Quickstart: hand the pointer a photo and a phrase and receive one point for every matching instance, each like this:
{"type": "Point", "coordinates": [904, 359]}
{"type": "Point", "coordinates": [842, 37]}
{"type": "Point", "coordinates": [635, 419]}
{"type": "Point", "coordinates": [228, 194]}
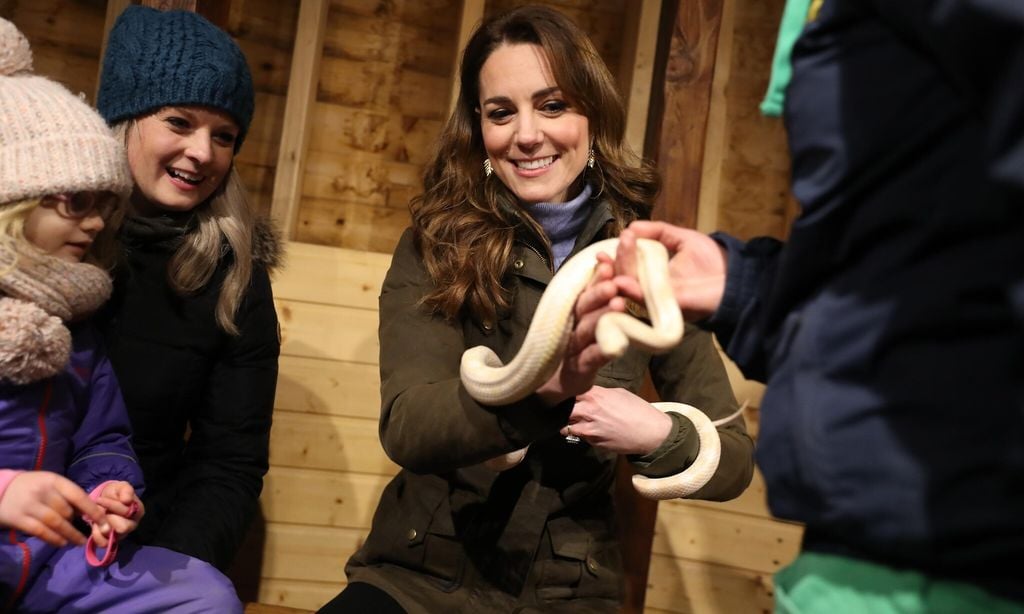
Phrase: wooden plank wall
{"type": "Point", "coordinates": [327, 464]}
{"type": "Point", "coordinates": [65, 38]}
{"type": "Point", "coordinates": [265, 31]}
{"type": "Point", "coordinates": [383, 91]}
{"type": "Point", "coordinates": [745, 172]}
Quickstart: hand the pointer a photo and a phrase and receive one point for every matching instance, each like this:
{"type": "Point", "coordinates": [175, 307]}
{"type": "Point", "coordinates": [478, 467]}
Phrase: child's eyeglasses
{"type": "Point", "coordinates": [81, 205]}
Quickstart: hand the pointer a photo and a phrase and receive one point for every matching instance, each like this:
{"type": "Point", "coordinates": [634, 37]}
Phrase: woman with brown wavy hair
{"type": "Point", "coordinates": [531, 168]}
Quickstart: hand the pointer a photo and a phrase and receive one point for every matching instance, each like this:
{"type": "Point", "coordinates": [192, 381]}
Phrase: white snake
{"type": "Point", "coordinates": [490, 382]}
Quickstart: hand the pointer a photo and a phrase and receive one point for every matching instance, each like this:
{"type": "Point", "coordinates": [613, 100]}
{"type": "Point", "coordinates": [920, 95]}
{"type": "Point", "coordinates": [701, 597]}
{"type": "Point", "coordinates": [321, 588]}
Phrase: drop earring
{"type": "Point", "coordinates": [487, 167]}
{"type": "Point", "coordinates": [590, 158]}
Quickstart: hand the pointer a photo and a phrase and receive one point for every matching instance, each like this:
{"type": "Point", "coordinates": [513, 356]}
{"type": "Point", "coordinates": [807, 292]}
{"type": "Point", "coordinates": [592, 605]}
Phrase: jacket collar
{"type": "Point", "coordinates": [532, 260]}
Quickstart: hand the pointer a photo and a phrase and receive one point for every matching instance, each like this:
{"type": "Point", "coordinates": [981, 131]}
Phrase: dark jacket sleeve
{"type": "Point", "coordinates": [227, 453]}
{"type": "Point", "coordinates": [428, 422]}
{"type": "Point", "coordinates": [979, 45]}
{"type": "Point", "coordinates": [101, 445]}
{"type": "Point", "coordinates": [740, 320]}
{"type": "Point", "coordinates": [693, 373]}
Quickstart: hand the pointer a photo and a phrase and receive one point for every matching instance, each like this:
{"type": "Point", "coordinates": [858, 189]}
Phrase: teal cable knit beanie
{"type": "Point", "coordinates": [157, 58]}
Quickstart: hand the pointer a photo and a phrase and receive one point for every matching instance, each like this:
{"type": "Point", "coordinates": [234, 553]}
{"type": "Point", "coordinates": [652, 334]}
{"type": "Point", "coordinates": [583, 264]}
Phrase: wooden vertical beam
{"type": "Point", "coordinates": [218, 12]}
{"type": "Point", "coordinates": [636, 515]}
{"type": "Point", "coordinates": [236, 11]}
{"type": "Point", "coordinates": [716, 134]}
{"type": "Point", "coordinates": [640, 41]}
{"type": "Point", "coordinates": [114, 8]}
{"type": "Point", "coordinates": [677, 132]}
{"type": "Point", "coordinates": [636, 518]}
{"type": "Point", "coordinates": [298, 113]}
{"type": "Point", "coordinates": [469, 17]}
{"type": "Point", "coordinates": [170, 5]}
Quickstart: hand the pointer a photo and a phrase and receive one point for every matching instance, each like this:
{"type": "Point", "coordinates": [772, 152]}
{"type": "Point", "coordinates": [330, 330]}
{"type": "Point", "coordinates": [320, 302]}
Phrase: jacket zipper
{"type": "Point", "coordinates": [26, 560]}
{"type": "Point", "coordinates": [542, 257]}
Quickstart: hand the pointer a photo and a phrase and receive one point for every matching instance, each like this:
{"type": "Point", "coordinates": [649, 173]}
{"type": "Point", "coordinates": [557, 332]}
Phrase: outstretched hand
{"type": "Point", "coordinates": [42, 504]}
{"type": "Point", "coordinates": [583, 357]}
{"type": "Point", "coordinates": [697, 266]}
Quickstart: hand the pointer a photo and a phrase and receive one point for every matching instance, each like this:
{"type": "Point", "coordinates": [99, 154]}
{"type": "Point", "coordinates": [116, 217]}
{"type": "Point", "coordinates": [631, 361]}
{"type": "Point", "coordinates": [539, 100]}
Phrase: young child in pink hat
{"type": "Point", "coordinates": [64, 432]}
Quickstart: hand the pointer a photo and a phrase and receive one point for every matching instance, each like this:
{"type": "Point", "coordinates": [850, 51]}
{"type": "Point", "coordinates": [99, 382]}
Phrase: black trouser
{"type": "Point", "coordinates": [360, 597]}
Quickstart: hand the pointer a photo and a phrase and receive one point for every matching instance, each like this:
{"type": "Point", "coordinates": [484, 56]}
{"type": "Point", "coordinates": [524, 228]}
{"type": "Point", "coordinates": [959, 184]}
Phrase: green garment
{"type": "Point", "coordinates": [816, 583]}
{"type": "Point", "coordinates": [794, 17]}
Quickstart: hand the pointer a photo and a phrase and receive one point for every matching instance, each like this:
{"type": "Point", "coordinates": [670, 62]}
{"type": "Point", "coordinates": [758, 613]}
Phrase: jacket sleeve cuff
{"type": "Point", "coordinates": [746, 262]}
{"type": "Point", "coordinates": [675, 454]}
{"type": "Point", "coordinates": [738, 290]}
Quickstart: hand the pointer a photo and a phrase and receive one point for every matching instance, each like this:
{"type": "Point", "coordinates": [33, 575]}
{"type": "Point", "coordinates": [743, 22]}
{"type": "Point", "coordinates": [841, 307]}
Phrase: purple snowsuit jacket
{"type": "Point", "coordinates": [74, 424]}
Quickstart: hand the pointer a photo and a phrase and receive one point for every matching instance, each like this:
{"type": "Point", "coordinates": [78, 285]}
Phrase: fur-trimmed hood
{"type": "Point", "coordinates": [267, 244]}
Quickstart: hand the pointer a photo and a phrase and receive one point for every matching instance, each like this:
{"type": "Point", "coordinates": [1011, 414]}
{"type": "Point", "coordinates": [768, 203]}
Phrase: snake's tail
{"type": "Point", "coordinates": [733, 415]}
{"type": "Point", "coordinates": [506, 461]}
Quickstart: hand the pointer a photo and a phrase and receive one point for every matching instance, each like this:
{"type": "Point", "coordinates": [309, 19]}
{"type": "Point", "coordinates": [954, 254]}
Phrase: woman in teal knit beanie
{"type": "Point", "coordinates": [191, 326]}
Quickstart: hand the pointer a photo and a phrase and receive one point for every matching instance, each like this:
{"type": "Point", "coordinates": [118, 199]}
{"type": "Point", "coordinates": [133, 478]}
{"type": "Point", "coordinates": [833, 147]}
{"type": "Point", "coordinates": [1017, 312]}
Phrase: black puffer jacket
{"type": "Point", "coordinates": [200, 400]}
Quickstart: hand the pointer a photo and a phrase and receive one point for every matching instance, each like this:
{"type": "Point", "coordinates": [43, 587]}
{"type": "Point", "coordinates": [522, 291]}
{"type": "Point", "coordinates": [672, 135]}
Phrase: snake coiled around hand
{"type": "Point", "coordinates": [491, 382]}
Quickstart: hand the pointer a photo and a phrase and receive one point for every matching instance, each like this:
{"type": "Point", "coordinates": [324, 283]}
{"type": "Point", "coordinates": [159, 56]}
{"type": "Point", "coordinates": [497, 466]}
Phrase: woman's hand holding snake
{"type": "Point", "coordinates": [583, 357]}
{"type": "Point", "coordinates": [617, 420]}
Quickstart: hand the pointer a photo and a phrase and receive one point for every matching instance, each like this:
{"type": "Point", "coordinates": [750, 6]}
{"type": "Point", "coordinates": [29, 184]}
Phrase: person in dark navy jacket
{"type": "Point", "coordinates": [889, 327]}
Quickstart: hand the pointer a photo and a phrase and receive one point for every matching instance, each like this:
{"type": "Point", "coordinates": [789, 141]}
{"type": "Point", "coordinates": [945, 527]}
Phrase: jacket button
{"type": "Point", "coordinates": [412, 534]}
{"type": "Point", "coordinates": [592, 565]}
{"type": "Point", "coordinates": [487, 325]}
{"type": "Point", "coordinates": [518, 264]}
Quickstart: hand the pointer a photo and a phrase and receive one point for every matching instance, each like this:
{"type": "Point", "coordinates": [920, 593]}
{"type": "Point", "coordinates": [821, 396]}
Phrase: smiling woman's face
{"type": "Point", "coordinates": [179, 156]}
{"type": "Point", "coordinates": [536, 140]}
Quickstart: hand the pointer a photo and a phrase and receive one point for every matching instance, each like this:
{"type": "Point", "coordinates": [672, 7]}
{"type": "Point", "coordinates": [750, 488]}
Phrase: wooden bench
{"type": "Point", "coordinates": [262, 608]}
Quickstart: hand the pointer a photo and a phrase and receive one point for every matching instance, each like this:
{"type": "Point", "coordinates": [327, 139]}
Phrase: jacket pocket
{"type": "Point", "coordinates": [584, 563]}
{"type": "Point", "coordinates": [413, 528]}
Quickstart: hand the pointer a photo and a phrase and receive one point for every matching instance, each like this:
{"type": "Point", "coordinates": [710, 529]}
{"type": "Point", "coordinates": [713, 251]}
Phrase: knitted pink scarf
{"type": "Point", "coordinates": [40, 293]}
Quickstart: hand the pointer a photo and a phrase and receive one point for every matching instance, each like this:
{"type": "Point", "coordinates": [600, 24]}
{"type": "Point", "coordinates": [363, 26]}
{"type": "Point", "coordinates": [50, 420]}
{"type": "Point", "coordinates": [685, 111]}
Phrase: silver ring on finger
{"type": "Point", "coordinates": [569, 437]}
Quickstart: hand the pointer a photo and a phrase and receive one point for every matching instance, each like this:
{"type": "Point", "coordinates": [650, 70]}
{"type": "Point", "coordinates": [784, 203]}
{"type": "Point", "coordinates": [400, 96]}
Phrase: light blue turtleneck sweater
{"type": "Point", "coordinates": [562, 222]}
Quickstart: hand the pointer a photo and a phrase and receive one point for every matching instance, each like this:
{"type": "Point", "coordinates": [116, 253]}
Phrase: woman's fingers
{"type": "Point", "coordinates": [592, 303]}
{"type": "Point", "coordinates": [595, 296]}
